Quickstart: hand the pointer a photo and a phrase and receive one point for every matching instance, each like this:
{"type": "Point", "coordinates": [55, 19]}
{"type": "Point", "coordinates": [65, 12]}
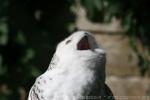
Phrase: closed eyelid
{"type": "Point", "coordinates": [68, 41]}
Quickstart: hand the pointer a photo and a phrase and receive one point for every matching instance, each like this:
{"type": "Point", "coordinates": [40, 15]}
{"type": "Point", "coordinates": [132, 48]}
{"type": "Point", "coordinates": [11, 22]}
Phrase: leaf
{"type": "Point", "coordinates": [20, 38]}
{"type": "Point", "coordinates": [28, 56]}
{"type": "Point", "coordinates": [127, 22]}
{"type": "Point", "coordinates": [35, 71]}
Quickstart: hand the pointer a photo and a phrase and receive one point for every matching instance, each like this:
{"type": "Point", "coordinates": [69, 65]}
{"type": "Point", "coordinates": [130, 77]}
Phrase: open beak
{"type": "Point", "coordinates": [83, 44]}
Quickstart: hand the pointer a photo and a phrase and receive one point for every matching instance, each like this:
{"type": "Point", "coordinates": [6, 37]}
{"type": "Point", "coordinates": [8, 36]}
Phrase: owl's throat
{"type": "Point", "coordinates": [83, 44]}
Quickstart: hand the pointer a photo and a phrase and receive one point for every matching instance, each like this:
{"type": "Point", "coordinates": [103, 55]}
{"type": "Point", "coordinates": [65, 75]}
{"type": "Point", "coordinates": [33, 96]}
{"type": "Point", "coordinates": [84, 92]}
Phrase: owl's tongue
{"type": "Point", "coordinates": [83, 44]}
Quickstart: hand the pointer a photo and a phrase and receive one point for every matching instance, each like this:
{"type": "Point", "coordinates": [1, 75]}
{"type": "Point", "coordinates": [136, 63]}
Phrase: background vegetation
{"type": "Point", "coordinates": [135, 20]}
{"type": "Point", "coordinates": [30, 30]}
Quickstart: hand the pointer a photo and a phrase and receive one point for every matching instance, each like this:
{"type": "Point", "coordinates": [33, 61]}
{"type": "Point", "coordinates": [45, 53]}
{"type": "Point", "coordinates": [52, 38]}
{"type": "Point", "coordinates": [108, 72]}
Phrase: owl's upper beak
{"type": "Point", "coordinates": [83, 44]}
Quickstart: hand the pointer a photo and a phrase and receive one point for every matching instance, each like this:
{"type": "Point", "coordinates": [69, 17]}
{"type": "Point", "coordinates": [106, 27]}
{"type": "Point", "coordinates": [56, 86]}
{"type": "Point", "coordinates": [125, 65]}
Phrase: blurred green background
{"type": "Point", "coordinates": [30, 30]}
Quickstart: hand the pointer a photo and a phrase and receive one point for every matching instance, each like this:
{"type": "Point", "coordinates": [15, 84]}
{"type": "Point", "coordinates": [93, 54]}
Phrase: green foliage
{"type": "Point", "coordinates": [3, 96]}
{"type": "Point", "coordinates": [133, 13]}
{"type": "Point", "coordinates": [29, 32]}
{"type": "Point", "coordinates": [94, 7]}
{"type": "Point", "coordinates": [135, 17]}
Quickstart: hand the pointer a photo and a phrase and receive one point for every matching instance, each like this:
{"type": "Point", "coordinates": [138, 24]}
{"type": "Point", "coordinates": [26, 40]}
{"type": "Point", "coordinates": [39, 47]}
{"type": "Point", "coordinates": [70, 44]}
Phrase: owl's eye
{"type": "Point", "coordinates": [68, 41]}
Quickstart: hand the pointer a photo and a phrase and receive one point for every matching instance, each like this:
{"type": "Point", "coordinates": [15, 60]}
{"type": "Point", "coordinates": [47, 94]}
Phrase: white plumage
{"type": "Point", "coordinates": [77, 71]}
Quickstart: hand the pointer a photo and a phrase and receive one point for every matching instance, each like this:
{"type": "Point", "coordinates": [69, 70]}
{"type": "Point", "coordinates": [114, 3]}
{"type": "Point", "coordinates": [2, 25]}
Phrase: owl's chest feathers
{"type": "Point", "coordinates": [70, 81]}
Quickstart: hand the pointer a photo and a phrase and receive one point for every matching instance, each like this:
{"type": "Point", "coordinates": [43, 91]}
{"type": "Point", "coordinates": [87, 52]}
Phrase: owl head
{"type": "Point", "coordinates": [80, 43]}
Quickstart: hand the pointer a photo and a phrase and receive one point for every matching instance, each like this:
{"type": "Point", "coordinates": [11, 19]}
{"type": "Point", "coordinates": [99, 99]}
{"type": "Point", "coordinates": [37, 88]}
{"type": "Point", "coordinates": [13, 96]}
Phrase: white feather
{"type": "Point", "coordinates": [71, 71]}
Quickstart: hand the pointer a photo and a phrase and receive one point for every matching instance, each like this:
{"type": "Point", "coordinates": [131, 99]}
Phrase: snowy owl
{"type": "Point", "coordinates": [76, 72]}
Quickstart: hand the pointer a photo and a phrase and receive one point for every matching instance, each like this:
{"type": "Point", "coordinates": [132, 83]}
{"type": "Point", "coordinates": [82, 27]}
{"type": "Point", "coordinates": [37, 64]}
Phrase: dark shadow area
{"type": "Point", "coordinates": [34, 27]}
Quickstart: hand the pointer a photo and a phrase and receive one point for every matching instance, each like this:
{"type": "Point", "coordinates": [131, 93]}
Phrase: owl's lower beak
{"type": "Point", "coordinates": [83, 44]}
